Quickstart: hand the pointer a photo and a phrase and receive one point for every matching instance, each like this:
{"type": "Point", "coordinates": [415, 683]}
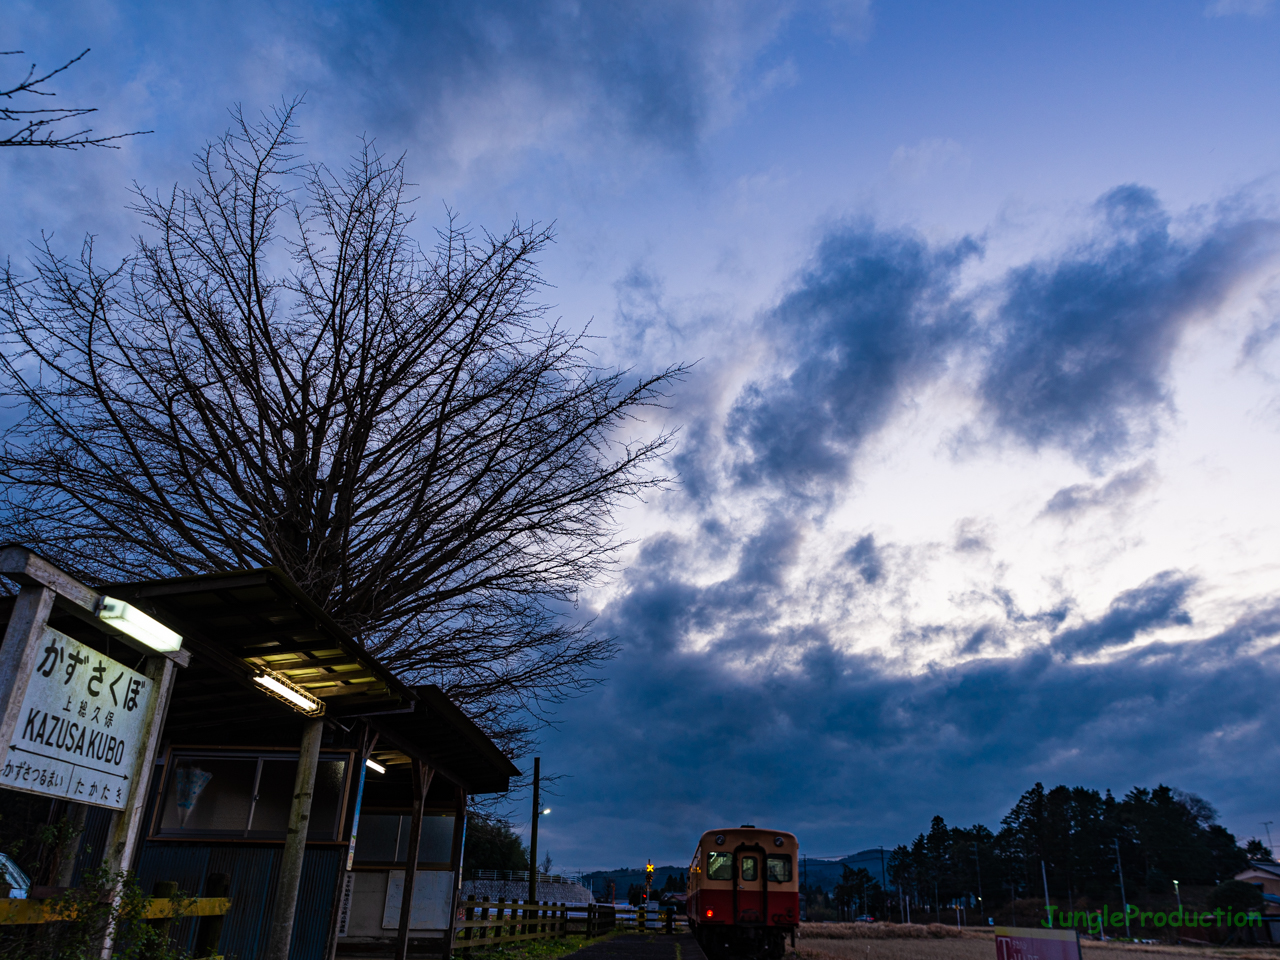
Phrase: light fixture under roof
{"type": "Point", "coordinates": [375, 766]}
{"type": "Point", "coordinates": [130, 620]}
{"type": "Point", "coordinates": [282, 688]}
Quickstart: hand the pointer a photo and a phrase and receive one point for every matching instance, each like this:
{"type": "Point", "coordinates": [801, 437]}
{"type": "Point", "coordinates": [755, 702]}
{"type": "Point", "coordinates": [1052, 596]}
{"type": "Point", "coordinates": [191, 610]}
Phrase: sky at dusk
{"type": "Point", "coordinates": [975, 479]}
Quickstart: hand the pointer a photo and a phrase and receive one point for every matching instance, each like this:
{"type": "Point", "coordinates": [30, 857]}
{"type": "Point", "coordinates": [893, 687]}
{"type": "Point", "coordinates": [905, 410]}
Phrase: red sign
{"type": "Point", "coordinates": [1034, 943]}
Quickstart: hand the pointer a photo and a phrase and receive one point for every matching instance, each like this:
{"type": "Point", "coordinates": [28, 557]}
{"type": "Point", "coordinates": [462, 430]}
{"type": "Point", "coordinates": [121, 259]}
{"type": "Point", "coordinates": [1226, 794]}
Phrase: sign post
{"type": "Point", "coordinates": [74, 723]}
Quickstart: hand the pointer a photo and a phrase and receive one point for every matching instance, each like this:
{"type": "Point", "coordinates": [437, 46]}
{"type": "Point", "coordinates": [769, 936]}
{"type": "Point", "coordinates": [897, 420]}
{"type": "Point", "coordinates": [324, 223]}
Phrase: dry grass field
{"type": "Point", "coordinates": [935, 942]}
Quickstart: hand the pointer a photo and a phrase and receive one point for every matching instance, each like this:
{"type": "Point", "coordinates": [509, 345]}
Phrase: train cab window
{"type": "Point", "coordinates": [719, 866]}
{"type": "Point", "coordinates": [779, 868]}
{"type": "Point", "coordinates": [749, 868]}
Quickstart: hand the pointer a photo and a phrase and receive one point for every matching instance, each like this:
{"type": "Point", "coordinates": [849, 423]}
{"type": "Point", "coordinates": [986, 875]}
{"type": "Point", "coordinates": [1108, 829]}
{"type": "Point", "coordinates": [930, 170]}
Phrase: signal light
{"type": "Point", "coordinates": [710, 913]}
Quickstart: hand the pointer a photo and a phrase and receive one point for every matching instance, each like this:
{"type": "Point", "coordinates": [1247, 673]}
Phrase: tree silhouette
{"type": "Point", "coordinates": [47, 126]}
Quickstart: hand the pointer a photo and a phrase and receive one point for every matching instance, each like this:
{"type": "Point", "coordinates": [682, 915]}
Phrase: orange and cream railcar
{"type": "Point", "coordinates": [744, 892]}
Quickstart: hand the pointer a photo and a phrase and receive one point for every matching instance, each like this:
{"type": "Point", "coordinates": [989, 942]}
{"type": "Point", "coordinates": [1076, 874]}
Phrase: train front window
{"type": "Point", "coordinates": [719, 866]}
{"type": "Point", "coordinates": [748, 868]}
{"type": "Point", "coordinates": [780, 869]}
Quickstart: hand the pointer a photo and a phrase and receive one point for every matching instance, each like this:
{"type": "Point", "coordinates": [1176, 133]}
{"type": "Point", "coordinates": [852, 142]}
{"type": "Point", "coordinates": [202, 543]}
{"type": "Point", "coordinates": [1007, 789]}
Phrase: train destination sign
{"type": "Point", "coordinates": [80, 732]}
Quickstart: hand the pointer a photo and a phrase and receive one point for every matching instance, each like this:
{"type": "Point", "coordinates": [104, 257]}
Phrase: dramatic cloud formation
{"type": "Point", "coordinates": [748, 630]}
{"type": "Point", "coordinates": [872, 317]}
{"type": "Point", "coordinates": [1085, 341]}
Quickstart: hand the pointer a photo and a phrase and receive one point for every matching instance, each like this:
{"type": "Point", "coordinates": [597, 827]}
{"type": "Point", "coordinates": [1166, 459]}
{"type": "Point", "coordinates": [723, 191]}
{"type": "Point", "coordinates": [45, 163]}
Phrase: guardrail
{"type": "Point", "coordinates": [163, 907]}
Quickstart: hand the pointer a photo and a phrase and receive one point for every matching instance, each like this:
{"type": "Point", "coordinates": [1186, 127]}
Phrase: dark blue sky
{"type": "Point", "coordinates": [976, 469]}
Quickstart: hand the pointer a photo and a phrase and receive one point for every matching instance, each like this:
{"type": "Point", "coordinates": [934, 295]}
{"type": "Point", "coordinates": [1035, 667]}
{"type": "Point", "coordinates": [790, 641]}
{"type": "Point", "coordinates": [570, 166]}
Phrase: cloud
{"type": "Point", "coordinates": [926, 157]}
{"type": "Point", "coordinates": [777, 722]}
{"type": "Point", "coordinates": [871, 318]}
{"type": "Point", "coordinates": [866, 559]}
{"type": "Point", "coordinates": [1079, 498]}
{"type": "Point", "coordinates": [973, 535]}
{"type": "Point", "coordinates": [1084, 341]}
{"type": "Point", "coordinates": [1246, 8]}
{"type": "Point", "coordinates": [1156, 603]}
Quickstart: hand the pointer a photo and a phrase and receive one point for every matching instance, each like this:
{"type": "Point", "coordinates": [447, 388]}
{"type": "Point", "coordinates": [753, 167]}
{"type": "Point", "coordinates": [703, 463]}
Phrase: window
{"type": "Point", "coordinates": [719, 866]}
{"type": "Point", "coordinates": [384, 838]}
{"type": "Point", "coordinates": [246, 795]}
{"type": "Point", "coordinates": [780, 868]}
{"type": "Point", "coordinates": [749, 869]}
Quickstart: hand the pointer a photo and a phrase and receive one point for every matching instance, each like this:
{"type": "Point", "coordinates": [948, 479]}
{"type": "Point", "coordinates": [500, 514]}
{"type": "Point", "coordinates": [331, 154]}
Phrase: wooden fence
{"type": "Point", "coordinates": [489, 923]}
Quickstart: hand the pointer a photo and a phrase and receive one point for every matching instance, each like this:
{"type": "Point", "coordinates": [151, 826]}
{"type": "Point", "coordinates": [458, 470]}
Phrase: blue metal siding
{"type": "Point", "coordinates": [315, 903]}
{"type": "Point", "coordinates": [92, 843]}
{"type": "Point", "coordinates": [253, 893]}
{"type": "Point", "coordinates": [188, 866]}
{"type": "Point", "coordinates": [254, 872]}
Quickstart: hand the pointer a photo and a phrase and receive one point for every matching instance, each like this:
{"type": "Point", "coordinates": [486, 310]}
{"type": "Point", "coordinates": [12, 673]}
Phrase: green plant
{"type": "Point", "coordinates": [103, 902]}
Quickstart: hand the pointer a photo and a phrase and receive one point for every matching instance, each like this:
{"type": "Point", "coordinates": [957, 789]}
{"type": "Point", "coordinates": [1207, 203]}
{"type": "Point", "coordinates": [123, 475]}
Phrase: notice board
{"type": "Point", "coordinates": [1036, 943]}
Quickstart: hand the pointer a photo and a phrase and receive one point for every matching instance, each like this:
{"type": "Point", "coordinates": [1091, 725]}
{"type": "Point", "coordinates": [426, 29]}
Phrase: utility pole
{"type": "Point", "coordinates": [1123, 901]}
{"type": "Point", "coordinates": [1267, 824]}
{"type": "Point", "coordinates": [978, 867]}
{"type": "Point", "coordinates": [1045, 877]}
{"type": "Point", "coordinates": [533, 832]}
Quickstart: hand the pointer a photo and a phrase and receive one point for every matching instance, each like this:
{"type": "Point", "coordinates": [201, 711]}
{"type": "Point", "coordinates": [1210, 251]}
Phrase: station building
{"type": "Point", "coordinates": [266, 681]}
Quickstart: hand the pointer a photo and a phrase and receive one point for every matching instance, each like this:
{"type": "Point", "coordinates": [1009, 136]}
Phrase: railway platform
{"type": "Point", "coordinates": [643, 946]}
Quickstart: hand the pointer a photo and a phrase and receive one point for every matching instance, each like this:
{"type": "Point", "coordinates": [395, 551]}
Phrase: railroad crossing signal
{"type": "Point", "coordinates": [648, 880]}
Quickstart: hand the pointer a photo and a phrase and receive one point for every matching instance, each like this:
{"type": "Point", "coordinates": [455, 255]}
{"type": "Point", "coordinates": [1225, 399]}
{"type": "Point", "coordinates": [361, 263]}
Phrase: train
{"type": "Point", "coordinates": [743, 893]}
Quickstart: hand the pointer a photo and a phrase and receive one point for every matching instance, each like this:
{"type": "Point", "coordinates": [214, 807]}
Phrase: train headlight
{"type": "Point", "coordinates": [719, 839]}
{"type": "Point", "coordinates": [778, 841]}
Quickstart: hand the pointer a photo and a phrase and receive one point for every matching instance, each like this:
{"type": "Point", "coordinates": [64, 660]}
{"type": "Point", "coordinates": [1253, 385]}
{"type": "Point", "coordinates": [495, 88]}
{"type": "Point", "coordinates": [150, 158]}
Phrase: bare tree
{"type": "Point", "coordinates": [281, 375]}
{"type": "Point", "coordinates": [46, 127]}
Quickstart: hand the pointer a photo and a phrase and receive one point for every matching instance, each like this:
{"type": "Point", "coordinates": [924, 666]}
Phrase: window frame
{"type": "Point", "coordinates": [367, 811]}
{"type": "Point", "coordinates": [178, 752]}
{"type": "Point", "coordinates": [733, 866]}
{"type": "Point", "coordinates": [785, 858]}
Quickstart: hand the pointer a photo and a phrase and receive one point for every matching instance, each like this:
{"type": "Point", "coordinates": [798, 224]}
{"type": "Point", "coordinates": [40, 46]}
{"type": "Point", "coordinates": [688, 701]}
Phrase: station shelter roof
{"type": "Point", "coordinates": [238, 623]}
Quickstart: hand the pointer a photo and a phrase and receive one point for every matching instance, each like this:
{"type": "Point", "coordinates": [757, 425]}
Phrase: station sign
{"type": "Point", "coordinates": [80, 733]}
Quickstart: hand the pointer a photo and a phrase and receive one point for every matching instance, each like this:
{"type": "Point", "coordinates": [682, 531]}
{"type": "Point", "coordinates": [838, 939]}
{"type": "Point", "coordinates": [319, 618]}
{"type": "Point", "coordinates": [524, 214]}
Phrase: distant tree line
{"type": "Point", "coordinates": [1072, 840]}
{"type": "Point", "coordinates": [492, 845]}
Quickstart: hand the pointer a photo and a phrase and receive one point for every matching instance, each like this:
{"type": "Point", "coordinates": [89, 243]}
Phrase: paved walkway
{"type": "Point", "coordinates": [643, 946]}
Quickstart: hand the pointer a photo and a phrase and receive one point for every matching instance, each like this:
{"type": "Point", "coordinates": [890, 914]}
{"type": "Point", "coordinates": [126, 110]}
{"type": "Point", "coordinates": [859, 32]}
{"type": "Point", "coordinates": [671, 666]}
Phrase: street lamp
{"type": "Point", "coordinates": [1178, 893]}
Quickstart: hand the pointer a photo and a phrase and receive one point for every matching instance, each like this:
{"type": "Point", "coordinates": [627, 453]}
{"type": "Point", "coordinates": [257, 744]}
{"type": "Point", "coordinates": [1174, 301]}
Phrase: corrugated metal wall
{"type": "Point", "coordinates": [253, 872]}
{"type": "Point", "coordinates": [92, 842]}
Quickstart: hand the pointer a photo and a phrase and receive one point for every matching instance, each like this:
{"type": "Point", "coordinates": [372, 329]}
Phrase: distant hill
{"type": "Point", "coordinates": [826, 873]}
{"type": "Point", "coordinates": [818, 873]}
{"type": "Point", "coordinates": [623, 877]}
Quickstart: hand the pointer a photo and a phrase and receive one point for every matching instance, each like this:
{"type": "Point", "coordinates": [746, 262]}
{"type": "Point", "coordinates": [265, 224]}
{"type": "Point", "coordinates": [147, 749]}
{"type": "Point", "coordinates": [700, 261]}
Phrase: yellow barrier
{"type": "Point", "coordinates": [51, 911]}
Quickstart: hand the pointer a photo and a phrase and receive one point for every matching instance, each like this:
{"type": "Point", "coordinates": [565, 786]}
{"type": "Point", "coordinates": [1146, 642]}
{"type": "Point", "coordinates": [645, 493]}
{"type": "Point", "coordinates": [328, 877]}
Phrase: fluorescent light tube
{"type": "Point", "coordinates": [375, 766]}
{"type": "Point", "coordinates": [285, 689]}
{"type": "Point", "coordinates": [146, 630]}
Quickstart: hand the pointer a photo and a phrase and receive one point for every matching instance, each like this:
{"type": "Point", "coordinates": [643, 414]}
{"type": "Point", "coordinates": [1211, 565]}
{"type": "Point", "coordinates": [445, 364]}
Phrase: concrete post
{"type": "Point", "coordinates": [280, 931]}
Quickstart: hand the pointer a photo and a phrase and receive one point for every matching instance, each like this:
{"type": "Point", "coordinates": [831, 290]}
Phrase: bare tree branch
{"type": "Point", "coordinates": [40, 127]}
{"type": "Point", "coordinates": [401, 430]}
